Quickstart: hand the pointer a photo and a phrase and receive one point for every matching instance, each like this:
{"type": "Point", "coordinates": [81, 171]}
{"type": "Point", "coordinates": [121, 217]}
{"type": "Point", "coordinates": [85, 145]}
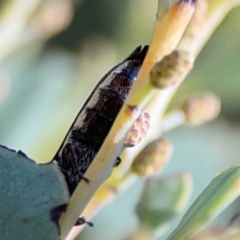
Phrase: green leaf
{"type": "Point", "coordinates": [32, 198]}
{"type": "Point", "coordinates": [220, 193]}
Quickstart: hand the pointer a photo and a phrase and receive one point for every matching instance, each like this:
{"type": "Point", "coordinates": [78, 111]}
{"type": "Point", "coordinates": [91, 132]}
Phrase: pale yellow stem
{"type": "Point", "coordinates": [162, 44]}
{"type": "Point", "coordinates": [168, 32]}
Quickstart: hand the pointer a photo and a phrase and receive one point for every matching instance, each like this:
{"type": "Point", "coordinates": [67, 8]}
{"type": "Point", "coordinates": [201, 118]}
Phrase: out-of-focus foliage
{"type": "Point", "coordinates": [221, 192]}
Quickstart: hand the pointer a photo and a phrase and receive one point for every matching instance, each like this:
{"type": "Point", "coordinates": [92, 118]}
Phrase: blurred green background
{"type": "Point", "coordinates": [53, 58]}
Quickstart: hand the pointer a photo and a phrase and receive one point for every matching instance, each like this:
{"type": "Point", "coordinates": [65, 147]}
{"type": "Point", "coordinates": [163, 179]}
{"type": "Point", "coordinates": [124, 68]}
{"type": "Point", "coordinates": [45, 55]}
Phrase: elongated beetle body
{"type": "Point", "coordinates": [96, 117]}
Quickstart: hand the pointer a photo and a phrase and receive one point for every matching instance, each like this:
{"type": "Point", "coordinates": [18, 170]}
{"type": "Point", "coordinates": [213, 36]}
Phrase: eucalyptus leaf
{"type": "Point", "coordinates": [32, 198]}
{"type": "Point", "coordinates": [220, 193]}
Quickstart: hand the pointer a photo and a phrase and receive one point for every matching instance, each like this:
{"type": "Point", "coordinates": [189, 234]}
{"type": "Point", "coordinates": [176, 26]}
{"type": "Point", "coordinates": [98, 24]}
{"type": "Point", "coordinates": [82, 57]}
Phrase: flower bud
{"type": "Point", "coordinates": [171, 70]}
{"type": "Point", "coordinates": [162, 200]}
{"type": "Point", "coordinates": [200, 108]}
{"type": "Point", "coordinates": [138, 131]}
{"type": "Point", "coordinates": [153, 158]}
